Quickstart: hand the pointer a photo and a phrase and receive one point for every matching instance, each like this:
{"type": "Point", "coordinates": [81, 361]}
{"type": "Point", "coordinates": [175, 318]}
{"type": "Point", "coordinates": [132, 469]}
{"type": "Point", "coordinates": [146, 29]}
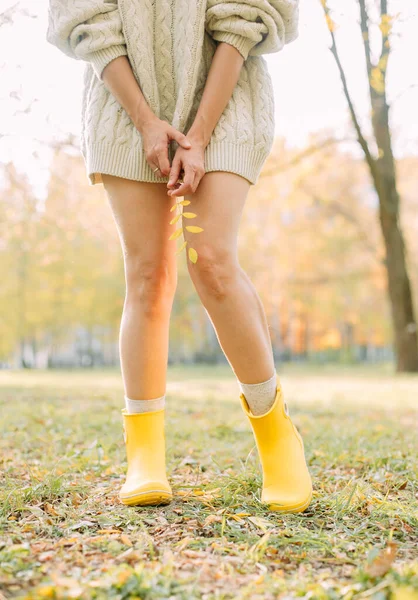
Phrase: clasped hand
{"type": "Point", "coordinates": [188, 163]}
{"type": "Point", "coordinates": [187, 168]}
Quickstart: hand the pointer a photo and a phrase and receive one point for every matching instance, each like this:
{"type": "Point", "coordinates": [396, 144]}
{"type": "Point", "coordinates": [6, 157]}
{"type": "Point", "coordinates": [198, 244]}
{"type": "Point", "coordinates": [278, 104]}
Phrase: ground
{"type": "Point", "coordinates": [64, 534]}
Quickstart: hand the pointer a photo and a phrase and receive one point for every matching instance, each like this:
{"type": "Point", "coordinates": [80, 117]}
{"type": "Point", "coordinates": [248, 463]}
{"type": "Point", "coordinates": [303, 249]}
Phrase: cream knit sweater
{"type": "Point", "coordinates": [170, 45]}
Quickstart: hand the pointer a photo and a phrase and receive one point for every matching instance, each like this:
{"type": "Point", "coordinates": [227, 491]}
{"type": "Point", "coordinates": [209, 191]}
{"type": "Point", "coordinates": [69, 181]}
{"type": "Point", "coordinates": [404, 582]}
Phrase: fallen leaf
{"type": "Point", "coordinates": [383, 561]}
{"type": "Point", "coordinates": [404, 592]}
{"type": "Point", "coordinates": [125, 540]}
{"type": "Point", "coordinates": [262, 524]}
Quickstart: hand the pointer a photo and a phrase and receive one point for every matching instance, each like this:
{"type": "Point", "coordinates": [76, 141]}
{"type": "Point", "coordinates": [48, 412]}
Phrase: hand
{"type": "Point", "coordinates": [157, 135]}
{"type": "Point", "coordinates": [190, 163]}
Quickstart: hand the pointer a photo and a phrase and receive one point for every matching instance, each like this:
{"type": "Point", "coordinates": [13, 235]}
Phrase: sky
{"type": "Point", "coordinates": [307, 90]}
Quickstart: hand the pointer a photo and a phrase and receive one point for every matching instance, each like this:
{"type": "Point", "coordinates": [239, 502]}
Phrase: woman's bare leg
{"type": "Point", "coordinates": [141, 213]}
{"type": "Point", "coordinates": [226, 291]}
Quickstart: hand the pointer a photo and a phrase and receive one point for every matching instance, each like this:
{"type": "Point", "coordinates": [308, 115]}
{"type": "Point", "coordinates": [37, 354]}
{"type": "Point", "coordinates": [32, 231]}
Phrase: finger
{"type": "Point", "coordinates": [155, 168]}
{"type": "Point", "coordinates": [198, 177]}
{"type": "Point", "coordinates": [163, 161]}
{"type": "Point", "coordinates": [186, 186]}
{"type": "Point", "coordinates": [180, 138]}
{"type": "Point", "coordinates": [175, 172]}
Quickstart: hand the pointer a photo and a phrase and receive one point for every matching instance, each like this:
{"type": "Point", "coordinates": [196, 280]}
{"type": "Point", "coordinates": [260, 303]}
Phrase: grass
{"type": "Point", "coordinates": [64, 534]}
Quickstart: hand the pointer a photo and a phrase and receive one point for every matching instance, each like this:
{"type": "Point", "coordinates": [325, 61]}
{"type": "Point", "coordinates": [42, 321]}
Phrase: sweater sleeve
{"type": "Point", "coordinates": [89, 30]}
{"type": "Point", "coordinates": [253, 27]}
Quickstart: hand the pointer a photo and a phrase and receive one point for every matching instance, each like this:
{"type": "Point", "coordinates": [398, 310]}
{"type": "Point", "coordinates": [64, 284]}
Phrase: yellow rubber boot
{"type": "Point", "coordinates": [146, 480]}
{"type": "Point", "coordinates": [287, 484]}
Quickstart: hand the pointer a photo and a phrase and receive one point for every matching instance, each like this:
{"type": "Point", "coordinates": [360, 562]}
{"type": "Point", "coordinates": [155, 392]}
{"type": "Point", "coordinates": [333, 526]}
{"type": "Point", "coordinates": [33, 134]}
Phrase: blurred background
{"type": "Point", "coordinates": [329, 235]}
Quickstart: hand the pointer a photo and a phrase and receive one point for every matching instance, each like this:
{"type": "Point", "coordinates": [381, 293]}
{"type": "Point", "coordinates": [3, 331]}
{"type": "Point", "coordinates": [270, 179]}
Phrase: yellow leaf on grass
{"type": "Point", "coordinates": [211, 519]}
{"type": "Point", "coordinates": [126, 540]}
{"type": "Point", "coordinates": [189, 215]}
{"type": "Point", "coordinates": [404, 592]}
{"type": "Point", "coordinates": [181, 247]}
{"type": "Point", "coordinates": [194, 228]}
{"type": "Point", "coordinates": [193, 255]}
{"type": "Point", "coordinates": [47, 591]}
{"type": "Point", "coordinates": [262, 524]}
{"type": "Point", "coordinates": [175, 219]}
{"type": "Point", "coordinates": [176, 234]}
{"type": "Point", "coordinates": [68, 541]}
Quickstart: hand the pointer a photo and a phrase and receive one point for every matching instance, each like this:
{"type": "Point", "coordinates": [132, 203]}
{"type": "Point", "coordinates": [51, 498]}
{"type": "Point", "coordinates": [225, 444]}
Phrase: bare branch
{"type": "Point", "coordinates": [311, 150]}
{"type": "Point", "coordinates": [337, 208]}
{"type": "Point", "coordinates": [407, 89]}
{"type": "Point", "coordinates": [332, 277]}
{"type": "Point", "coordinates": [361, 138]}
{"type": "Point", "coordinates": [364, 22]}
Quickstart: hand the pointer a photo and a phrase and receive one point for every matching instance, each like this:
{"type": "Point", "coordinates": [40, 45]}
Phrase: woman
{"type": "Point", "coordinates": [154, 70]}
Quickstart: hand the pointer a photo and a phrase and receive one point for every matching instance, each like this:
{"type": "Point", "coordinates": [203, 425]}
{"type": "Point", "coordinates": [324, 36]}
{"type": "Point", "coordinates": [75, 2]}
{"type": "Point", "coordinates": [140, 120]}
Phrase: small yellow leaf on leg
{"type": "Point", "coordinates": [181, 247]}
{"type": "Point", "coordinates": [175, 219]}
{"type": "Point", "coordinates": [176, 234]}
{"type": "Point", "coordinates": [194, 228]}
{"type": "Point", "coordinates": [193, 255]}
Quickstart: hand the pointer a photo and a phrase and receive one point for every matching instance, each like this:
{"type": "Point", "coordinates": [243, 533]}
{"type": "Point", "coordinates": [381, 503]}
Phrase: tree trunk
{"type": "Point", "coordinates": [399, 287]}
{"type": "Point", "coordinates": [405, 333]}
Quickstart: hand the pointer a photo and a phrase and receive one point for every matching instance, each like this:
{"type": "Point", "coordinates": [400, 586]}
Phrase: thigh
{"type": "Point", "coordinates": [141, 211]}
{"type": "Point", "coordinates": [218, 203]}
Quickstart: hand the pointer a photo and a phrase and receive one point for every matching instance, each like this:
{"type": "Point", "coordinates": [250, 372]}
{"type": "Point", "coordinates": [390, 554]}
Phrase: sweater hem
{"type": "Point", "coordinates": [240, 42]}
{"type": "Point", "coordinates": [102, 57]}
{"type": "Point", "coordinates": [121, 161]}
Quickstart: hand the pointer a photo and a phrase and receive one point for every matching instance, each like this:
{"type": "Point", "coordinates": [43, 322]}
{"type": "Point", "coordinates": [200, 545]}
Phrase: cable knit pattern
{"type": "Point", "coordinates": [170, 45]}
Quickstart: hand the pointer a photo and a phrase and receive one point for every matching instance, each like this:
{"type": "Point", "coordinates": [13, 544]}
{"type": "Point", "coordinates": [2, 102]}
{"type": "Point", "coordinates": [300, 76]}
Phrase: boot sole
{"type": "Point", "coordinates": [294, 508]}
{"type": "Point", "coordinates": [147, 498]}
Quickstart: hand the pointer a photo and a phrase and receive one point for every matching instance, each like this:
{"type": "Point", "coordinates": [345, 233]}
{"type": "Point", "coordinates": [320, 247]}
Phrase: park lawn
{"type": "Point", "coordinates": [64, 534]}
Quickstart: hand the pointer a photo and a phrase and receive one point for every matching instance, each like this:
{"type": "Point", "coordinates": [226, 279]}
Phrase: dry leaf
{"type": "Point", "coordinates": [212, 519]}
{"type": "Point", "coordinates": [125, 540]}
{"type": "Point", "coordinates": [383, 561]}
{"type": "Point", "coordinates": [404, 592]}
{"type": "Point", "coordinates": [262, 524]}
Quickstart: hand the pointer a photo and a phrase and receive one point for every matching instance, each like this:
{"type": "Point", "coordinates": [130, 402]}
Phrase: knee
{"type": "Point", "coordinates": [214, 272]}
{"type": "Point", "coordinates": [151, 283]}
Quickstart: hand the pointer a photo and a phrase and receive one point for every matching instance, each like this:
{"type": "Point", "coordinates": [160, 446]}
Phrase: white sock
{"type": "Point", "coordinates": [260, 396]}
{"type": "Point", "coordinates": [141, 406]}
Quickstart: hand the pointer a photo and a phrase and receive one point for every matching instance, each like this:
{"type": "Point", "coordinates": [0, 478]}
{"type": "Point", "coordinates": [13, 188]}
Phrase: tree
{"type": "Point", "coordinates": [379, 157]}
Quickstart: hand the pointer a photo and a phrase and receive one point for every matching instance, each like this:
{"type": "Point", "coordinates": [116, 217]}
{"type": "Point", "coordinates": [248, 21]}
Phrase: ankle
{"type": "Point", "coordinates": [142, 406]}
{"type": "Point", "coordinates": [260, 396]}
